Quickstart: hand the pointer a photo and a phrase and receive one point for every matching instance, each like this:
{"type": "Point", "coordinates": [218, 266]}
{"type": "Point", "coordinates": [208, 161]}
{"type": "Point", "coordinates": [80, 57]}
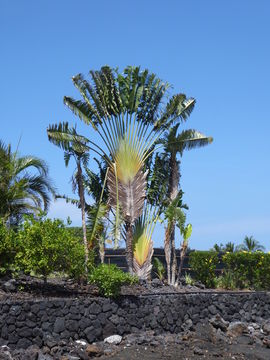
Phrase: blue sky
{"type": "Point", "coordinates": [215, 51]}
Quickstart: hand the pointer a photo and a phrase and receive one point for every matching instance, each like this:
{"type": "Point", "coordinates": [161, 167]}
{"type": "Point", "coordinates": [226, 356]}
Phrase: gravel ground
{"type": "Point", "coordinates": [193, 348]}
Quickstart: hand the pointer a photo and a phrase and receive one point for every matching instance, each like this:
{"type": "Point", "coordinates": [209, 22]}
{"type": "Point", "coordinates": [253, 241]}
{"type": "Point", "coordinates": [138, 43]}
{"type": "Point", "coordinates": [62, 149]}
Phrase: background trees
{"type": "Point", "coordinates": [250, 244]}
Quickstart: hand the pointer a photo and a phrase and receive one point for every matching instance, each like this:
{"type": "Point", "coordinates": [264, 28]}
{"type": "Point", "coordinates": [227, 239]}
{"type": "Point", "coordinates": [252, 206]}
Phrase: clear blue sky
{"type": "Point", "coordinates": [215, 51]}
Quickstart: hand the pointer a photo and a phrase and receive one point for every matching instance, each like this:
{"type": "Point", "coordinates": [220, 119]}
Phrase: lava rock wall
{"type": "Point", "coordinates": [47, 322]}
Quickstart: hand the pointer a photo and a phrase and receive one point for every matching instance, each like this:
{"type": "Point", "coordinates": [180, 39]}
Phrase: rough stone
{"type": "Point", "coordinates": [94, 308]}
{"type": "Point", "coordinates": [10, 285]}
{"type": "Point", "coordinates": [89, 334]}
{"type": "Point", "coordinates": [24, 343]}
{"type": "Point", "coordinates": [219, 323]}
{"type": "Point", "coordinates": [237, 328]}
{"type": "Point", "coordinates": [59, 325]}
{"type": "Point", "coordinates": [93, 350]}
{"type": "Point", "coordinates": [114, 339]}
{"type": "Point", "coordinates": [266, 327]}
{"type": "Point", "coordinates": [212, 309]}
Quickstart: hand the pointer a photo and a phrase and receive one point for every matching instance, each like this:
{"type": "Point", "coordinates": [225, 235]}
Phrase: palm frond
{"type": "Point", "coordinates": [25, 162]}
{"type": "Point", "coordinates": [83, 111]}
{"type": "Point", "coordinates": [95, 221]}
{"type": "Point", "coordinates": [191, 139]}
{"type": "Point", "coordinates": [178, 109]}
{"type": "Point", "coordinates": [68, 199]}
{"type": "Point", "coordinates": [67, 138]}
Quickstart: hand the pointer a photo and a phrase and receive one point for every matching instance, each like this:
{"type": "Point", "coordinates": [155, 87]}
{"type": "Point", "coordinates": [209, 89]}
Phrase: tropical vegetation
{"type": "Point", "coordinates": [132, 118]}
{"type": "Point", "coordinates": [127, 171]}
{"type": "Point", "coordinates": [25, 186]}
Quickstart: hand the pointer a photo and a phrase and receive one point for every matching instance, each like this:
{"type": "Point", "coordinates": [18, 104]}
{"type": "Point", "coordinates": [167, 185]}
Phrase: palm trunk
{"type": "Point", "coordinates": [102, 250]}
{"type": "Point", "coordinates": [167, 250]}
{"type": "Point", "coordinates": [129, 246]}
{"type": "Point", "coordinates": [169, 245]}
{"type": "Point", "coordinates": [174, 261]}
{"type": "Point", "coordinates": [82, 201]}
{"type": "Point", "coordinates": [183, 251]}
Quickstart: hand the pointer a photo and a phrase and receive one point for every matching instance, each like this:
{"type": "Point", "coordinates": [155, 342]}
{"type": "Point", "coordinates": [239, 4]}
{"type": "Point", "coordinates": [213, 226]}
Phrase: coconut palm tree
{"type": "Point", "coordinates": [250, 244]}
{"type": "Point", "coordinates": [127, 112]}
{"type": "Point", "coordinates": [174, 147]}
{"type": "Point", "coordinates": [22, 191]}
{"type": "Point", "coordinates": [75, 146]}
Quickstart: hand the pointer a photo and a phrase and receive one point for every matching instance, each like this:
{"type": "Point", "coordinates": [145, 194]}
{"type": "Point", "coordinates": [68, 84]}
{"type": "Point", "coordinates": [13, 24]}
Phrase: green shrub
{"type": "Point", "coordinates": [227, 280]}
{"type": "Point", "coordinates": [158, 268]}
{"type": "Point", "coordinates": [203, 264]}
{"type": "Point", "coordinates": [109, 279]}
{"type": "Point", "coordinates": [46, 246]}
{"type": "Point", "coordinates": [189, 280]}
{"type": "Point", "coordinates": [8, 244]}
{"type": "Point", "coordinates": [250, 269]}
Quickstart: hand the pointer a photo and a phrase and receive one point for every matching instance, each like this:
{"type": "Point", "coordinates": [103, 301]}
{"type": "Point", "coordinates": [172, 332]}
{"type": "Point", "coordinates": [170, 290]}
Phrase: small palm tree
{"type": "Point", "coordinates": [174, 146]}
{"type": "Point", "coordinates": [22, 192]}
{"type": "Point", "coordinates": [76, 146]}
{"type": "Point", "coordinates": [173, 215]}
{"type": "Point", "coordinates": [250, 244]}
{"type": "Point", "coordinates": [186, 233]}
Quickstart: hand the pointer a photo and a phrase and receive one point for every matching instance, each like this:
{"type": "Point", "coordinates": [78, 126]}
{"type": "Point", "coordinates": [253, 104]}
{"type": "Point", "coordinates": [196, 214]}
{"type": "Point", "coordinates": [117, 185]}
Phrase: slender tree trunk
{"type": "Point", "coordinates": [169, 245]}
{"type": "Point", "coordinates": [174, 261]}
{"type": "Point", "coordinates": [129, 246]}
{"type": "Point", "coordinates": [174, 177]}
{"type": "Point", "coordinates": [183, 251]}
{"type": "Point", "coordinates": [101, 250]}
{"type": "Point", "coordinates": [167, 250]}
{"type": "Point", "coordinates": [82, 201]}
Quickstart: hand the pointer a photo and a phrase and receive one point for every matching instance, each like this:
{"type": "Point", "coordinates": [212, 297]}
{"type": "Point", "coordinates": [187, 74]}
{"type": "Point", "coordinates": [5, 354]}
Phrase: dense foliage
{"type": "Point", "coordinates": [109, 279]}
{"type": "Point", "coordinates": [203, 264]}
{"type": "Point", "coordinates": [248, 269]}
{"type": "Point", "coordinates": [46, 246]}
{"type": "Point", "coordinates": [8, 245]}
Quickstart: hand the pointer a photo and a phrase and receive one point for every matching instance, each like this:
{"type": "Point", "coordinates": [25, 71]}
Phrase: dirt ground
{"type": "Point", "coordinates": [192, 348]}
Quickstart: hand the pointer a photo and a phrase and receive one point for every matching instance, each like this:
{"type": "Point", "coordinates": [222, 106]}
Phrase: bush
{"type": "Point", "coordinates": [203, 264]}
{"type": "Point", "coordinates": [226, 280]}
{"type": "Point", "coordinates": [8, 244]}
{"type": "Point", "coordinates": [109, 279]}
{"type": "Point", "coordinates": [159, 268]}
{"type": "Point", "coordinates": [189, 280]}
{"type": "Point", "coordinates": [46, 246]}
{"type": "Point", "coordinates": [250, 269]}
